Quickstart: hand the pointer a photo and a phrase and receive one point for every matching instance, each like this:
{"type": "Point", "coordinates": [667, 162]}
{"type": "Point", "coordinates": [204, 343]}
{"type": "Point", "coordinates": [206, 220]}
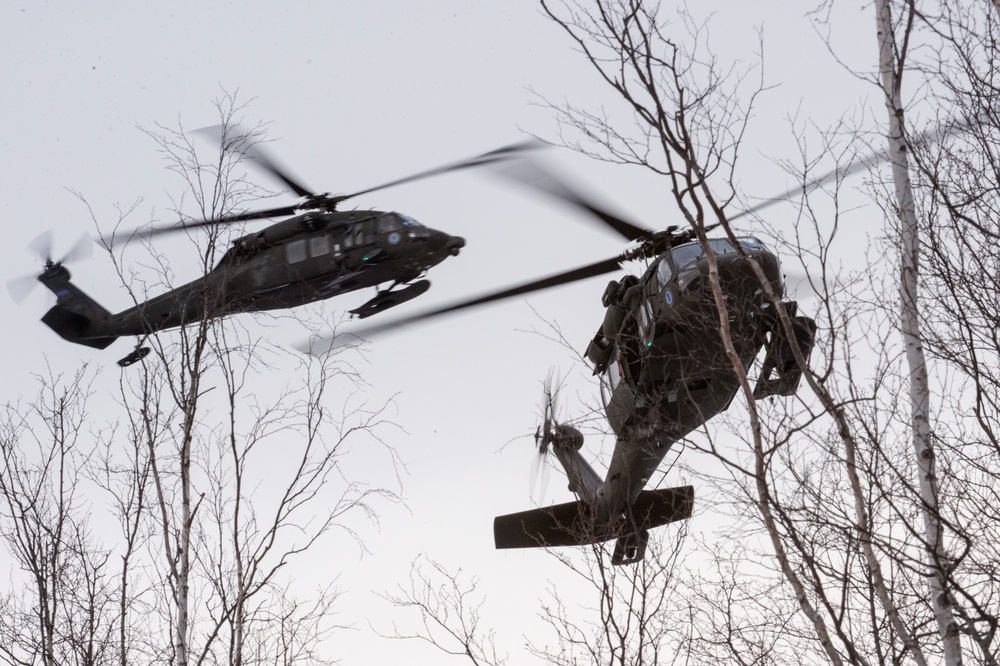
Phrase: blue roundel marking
{"type": "Point", "coordinates": [393, 238]}
{"type": "Point", "coordinates": [669, 297]}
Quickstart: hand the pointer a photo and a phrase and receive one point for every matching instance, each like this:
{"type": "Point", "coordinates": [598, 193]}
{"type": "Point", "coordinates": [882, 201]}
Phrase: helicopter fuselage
{"type": "Point", "coordinates": [303, 259]}
{"type": "Point", "coordinates": [665, 370]}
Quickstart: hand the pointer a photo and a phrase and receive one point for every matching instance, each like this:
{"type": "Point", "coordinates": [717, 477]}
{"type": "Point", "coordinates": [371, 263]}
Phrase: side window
{"type": "Point", "coordinates": [296, 251]}
{"type": "Point", "coordinates": [645, 321]}
{"type": "Point", "coordinates": [614, 374]}
{"type": "Point", "coordinates": [349, 239]}
{"type": "Point", "coordinates": [319, 245]}
{"type": "Point", "coordinates": [359, 236]}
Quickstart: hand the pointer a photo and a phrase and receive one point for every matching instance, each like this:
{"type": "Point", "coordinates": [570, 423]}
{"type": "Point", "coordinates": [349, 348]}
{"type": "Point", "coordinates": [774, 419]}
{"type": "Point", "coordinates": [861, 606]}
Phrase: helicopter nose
{"type": "Point", "coordinates": [454, 244]}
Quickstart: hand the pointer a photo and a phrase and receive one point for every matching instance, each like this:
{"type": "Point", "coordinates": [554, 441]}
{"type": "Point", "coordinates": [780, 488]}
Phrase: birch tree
{"type": "Point", "coordinates": [892, 62]}
{"type": "Point", "coordinates": [856, 527]}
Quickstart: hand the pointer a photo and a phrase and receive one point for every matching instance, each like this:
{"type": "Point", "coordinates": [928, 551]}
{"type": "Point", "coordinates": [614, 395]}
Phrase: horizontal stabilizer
{"type": "Point", "coordinates": [572, 523]}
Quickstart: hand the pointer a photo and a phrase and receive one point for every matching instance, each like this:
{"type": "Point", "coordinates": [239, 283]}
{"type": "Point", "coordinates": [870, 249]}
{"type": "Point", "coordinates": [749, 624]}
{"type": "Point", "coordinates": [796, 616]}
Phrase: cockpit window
{"type": "Point", "coordinates": [408, 221]}
{"type": "Point", "coordinates": [664, 272]}
{"type": "Point", "coordinates": [685, 254]}
{"type": "Point", "coordinates": [388, 222]}
{"type": "Point", "coordinates": [751, 244]}
{"type": "Point", "coordinates": [721, 246]}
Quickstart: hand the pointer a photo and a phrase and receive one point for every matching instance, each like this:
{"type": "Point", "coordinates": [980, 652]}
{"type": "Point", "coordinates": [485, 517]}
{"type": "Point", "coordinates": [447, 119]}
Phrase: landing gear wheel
{"type": "Point", "coordinates": [137, 355]}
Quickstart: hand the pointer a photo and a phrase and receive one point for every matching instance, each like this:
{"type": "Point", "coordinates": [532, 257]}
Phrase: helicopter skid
{"type": "Point", "coordinates": [387, 299]}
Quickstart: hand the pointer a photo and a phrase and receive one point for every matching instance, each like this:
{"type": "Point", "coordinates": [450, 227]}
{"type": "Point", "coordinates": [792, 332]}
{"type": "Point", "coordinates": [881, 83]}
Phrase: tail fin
{"type": "Point", "coordinates": [76, 316]}
{"type": "Point", "coordinates": [572, 523]}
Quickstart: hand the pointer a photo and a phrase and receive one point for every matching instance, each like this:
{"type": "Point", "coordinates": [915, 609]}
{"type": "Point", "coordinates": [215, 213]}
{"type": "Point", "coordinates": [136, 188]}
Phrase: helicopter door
{"type": "Point", "coordinates": [368, 228]}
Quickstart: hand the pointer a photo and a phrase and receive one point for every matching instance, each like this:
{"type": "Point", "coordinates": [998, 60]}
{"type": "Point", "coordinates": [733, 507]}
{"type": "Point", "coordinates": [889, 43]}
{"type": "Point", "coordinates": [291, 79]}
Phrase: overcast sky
{"type": "Point", "coordinates": [357, 93]}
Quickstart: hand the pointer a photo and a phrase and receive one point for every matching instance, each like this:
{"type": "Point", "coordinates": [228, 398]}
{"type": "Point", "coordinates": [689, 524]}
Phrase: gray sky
{"type": "Point", "coordinates": [358, 93]}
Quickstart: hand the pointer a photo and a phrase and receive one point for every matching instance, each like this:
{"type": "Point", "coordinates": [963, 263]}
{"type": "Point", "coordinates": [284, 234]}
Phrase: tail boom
{"type": "Point", "coordinates": [76, 317]}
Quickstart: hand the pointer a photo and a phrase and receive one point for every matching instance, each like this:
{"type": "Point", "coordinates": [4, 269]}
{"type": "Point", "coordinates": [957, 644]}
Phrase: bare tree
{"type": "Point", "coordinates": [64, 613]}
{"type": "Point", "coordinates": [449, 607]}
{"type": "Point", "coordinates": [218, 477]}
{"type": "Point", "coordinates": [858, 528]}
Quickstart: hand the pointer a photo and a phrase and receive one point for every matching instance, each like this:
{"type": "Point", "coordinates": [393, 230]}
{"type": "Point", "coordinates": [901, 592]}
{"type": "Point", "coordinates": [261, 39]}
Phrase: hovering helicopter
{"type": "Point", "coordinates": [664, 370]}
{"type": "Point", "coordinates": [318, 253]}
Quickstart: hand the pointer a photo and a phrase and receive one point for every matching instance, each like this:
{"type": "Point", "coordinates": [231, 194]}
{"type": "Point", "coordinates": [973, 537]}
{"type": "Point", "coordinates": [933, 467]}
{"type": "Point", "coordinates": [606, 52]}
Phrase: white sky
{"type": "Point", "coordinates": [358, 93]}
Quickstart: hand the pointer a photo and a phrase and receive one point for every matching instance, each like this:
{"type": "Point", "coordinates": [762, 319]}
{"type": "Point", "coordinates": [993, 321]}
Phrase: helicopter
{"type": "Point", "coordinates": [664, 370]}
{"type": "Point", "coordinates": [317, 253]}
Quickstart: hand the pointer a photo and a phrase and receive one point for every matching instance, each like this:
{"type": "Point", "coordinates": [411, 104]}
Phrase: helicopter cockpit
{"type": "Point", "coordinates": [680, 259]}
{"type": "Point", "coordinates": [658, 301]}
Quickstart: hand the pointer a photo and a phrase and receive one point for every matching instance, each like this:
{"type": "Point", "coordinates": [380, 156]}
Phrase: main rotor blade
{"type": "Point", "coordinates": [243, 142]}
{"type": "Point", "coordinates": [862, 163]}
{"type": "Point", "coordinates": [534, 175]}
{"type": "Point", "coordinates": [258, 156]}
{"type": "Point", "coordinates": [566, 277]}
{"type": "Point", "coordinates": [503, 154]}
{"type": "Point", "coordinates": [228, 219]}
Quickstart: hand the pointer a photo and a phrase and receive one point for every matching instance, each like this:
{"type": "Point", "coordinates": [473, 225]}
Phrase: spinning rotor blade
{"type": "Point", "coordinates": [41, 246]}
{"type": "Point", "coordinates": [20, 287]}
{"type": "Point", "coordinates": [503, 154]}
{"type": "Point", "coordinates": [582, 273]}
{"type": "Point", "coordinates": [228, 219]}
{"type": "Point", "coordinates": [242, 142]}
{"type": "Point", "coordinates": [262, 158]}
{"type": "Point", "coordinates": [83, 248]}
{"type": "Point", "coordinates": [859, 164]}
{"type": "Point", "coordinates": [257, 154]}
{"type": "Point", "coordinates": [539, 476]}
{"type": "Point", "coordinates": [533, 175]}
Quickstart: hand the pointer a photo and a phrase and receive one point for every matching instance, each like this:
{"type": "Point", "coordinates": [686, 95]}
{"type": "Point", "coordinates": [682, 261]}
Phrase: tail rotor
{"type": "Point", "coordinates": [41, 247]}
{"type": "Point", "coordinates": [544, 436]}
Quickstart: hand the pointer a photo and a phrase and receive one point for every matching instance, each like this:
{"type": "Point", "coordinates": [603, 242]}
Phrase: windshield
{"type": "Point", "coordinates": [751, 244]}
{"type": "Point", "coordinates": [685, 254]}
{"type": "Point", "coordinates": [408, 221]}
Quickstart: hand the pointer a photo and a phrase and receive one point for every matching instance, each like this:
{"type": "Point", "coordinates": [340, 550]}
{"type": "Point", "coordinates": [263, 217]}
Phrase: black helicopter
{"type": "Point", "coordinates": [664, 371]}
{"type": "Point", "coordinates": [317, 253]}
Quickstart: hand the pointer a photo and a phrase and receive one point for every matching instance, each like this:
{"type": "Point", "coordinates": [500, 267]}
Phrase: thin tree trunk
{"type": "Point", "coordinates": [923, 444]}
